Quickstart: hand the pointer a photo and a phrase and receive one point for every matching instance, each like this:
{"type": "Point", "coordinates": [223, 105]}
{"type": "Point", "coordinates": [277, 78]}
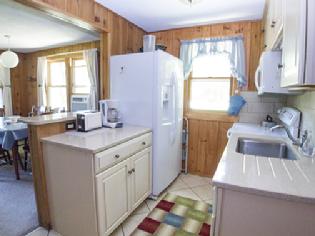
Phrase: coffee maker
{"type": "Point", "coordinates": [110, 114]}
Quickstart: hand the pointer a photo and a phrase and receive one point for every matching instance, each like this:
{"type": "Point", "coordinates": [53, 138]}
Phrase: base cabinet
{"type": "Point", "coordinates": [141, 178]}
{"type": "Point", "coordinates": [240, 213]}
{"type": "Point", "coordinates": [113, 190]}
{"type": "Point", "coordinates": [91, 194]}
{"type": "Point", "coordinates": [121, 189]}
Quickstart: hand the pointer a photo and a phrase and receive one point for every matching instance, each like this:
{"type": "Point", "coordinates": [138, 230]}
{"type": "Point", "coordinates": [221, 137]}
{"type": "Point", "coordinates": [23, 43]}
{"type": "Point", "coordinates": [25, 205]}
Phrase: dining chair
{"type": "Point", "coordinates": [26, 149]}
{"type": "Point", "coordinates": [4, 154]}
{"type": "Point", "coordinates": [2, 111]}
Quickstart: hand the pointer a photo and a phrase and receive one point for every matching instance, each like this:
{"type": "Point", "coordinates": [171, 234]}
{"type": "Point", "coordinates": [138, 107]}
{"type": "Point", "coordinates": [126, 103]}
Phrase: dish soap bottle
{"type": "Point", "coordinates": [308, 147]}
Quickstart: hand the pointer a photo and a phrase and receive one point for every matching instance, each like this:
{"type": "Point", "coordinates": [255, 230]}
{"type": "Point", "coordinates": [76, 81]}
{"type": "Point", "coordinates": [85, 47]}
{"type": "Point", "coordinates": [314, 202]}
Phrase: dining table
{"type": "Point", "coordinates": [11, 133]}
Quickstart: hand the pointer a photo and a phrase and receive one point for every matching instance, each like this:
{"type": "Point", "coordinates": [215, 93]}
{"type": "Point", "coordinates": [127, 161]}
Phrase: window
{"type": "Point", "coordinates": [211, 83]}
{"type": "Point", "coordinates": [67, 75]}
{"type": "Point", "coordinates": [80, 79]}
{"type": "Point", "coordinates": [57, 85]}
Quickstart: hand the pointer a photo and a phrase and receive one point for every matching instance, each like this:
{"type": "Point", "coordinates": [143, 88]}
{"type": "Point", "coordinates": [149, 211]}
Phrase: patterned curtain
{"type": "Point", "coordinates": [233, 46]}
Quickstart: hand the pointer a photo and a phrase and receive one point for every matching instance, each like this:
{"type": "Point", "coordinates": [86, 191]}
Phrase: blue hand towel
{"type": "Point", "coordinates": [236, 104]}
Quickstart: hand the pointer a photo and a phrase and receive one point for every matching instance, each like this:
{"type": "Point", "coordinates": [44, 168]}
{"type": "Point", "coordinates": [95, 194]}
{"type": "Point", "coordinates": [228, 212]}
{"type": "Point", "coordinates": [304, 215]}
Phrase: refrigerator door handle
{"type": "Point", "coordinates": [175, 109]}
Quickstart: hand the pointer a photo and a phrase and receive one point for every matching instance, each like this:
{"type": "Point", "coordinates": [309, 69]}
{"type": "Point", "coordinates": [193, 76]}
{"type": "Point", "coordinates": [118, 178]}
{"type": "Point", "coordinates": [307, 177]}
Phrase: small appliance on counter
{"type": "Point", "coordinates": [110, 114]}
{"type": "Point", "coordinates": [268, 122]}
{"type": "Point", "coordinates": [88, 120]}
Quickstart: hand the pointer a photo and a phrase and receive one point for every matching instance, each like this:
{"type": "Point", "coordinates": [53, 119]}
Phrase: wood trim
{"type": "Point", "coordinates": [105, 48]}
{"type": "Point", "coordinates": [60, 12]}
{"type": "Point", "coordinates": [212, 116]}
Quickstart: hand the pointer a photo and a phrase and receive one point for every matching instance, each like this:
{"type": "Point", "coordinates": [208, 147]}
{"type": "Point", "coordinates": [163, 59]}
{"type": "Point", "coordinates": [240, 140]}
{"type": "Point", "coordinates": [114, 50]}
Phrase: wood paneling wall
{"type": "Point", "coordinates": [251, 30]}
{"type": "Point", "coordinates": [207, 141]}
{"type": "Point", "coordinates": [18, 88]}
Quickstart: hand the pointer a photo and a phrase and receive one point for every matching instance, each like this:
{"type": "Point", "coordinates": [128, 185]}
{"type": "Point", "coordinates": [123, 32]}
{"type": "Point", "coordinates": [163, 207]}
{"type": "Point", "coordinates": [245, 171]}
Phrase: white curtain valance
{"type": "Point", "coordinates": [233, 46]}
{"type": "Point", "coordinates": [90, 58]}
{"type": "Point", "coordinates": [6, 90]}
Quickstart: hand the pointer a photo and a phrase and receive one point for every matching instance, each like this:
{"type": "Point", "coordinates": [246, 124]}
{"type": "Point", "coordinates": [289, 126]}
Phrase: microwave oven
{"type": "Point", "coordinates": [268, 73]}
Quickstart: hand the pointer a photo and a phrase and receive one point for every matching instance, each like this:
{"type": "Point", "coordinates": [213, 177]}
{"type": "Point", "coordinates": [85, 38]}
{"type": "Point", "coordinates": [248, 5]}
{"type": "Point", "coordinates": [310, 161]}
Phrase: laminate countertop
{"type": "Point", "coordinates": [97, 140]}
{"type": "Point", "coordinates": [281, 178]}
{"type": "Point", "coordinates": [48, 119]}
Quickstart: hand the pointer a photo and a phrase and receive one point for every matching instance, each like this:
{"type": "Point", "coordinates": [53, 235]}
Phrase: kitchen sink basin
{"type": "Point", "coordinates": [258, 147]}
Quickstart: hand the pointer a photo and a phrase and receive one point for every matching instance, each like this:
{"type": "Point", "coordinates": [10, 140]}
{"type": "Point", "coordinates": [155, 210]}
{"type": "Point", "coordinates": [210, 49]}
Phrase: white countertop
{"type": "Point", "coordinates": [47, 119]}
{"type": "Point", "coordinates": [294, 180]}
{"type": "Point", "coordinates": [97, 140]}
{"type": "Point", "coordinates": [256, 129]}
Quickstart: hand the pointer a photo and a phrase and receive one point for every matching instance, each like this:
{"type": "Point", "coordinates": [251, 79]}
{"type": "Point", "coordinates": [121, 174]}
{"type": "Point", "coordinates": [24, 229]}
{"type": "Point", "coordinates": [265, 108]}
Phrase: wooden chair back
{"type": "Point", "coordinates": [2, 111]}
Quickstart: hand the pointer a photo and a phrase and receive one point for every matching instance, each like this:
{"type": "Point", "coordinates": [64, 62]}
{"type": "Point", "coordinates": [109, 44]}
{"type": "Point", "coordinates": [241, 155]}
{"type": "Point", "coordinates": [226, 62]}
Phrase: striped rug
{"type": "Point", "coordinates": [177, 216]}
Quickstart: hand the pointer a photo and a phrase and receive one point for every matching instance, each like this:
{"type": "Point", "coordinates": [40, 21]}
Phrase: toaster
{"type": "Point", "coordinates": [88, 120]}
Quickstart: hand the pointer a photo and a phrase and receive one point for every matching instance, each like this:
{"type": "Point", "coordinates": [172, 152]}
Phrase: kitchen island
{"type": "Point", "coordinates": [95, 180]}
{"type": "Point", "coordinates": [256, 195]}
{"type": "Point", "coordinates": [38, 128]}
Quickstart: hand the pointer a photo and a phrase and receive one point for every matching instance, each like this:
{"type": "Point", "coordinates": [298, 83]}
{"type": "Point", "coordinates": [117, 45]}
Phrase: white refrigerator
{"type": "Point", "coordinates": [149, 87]}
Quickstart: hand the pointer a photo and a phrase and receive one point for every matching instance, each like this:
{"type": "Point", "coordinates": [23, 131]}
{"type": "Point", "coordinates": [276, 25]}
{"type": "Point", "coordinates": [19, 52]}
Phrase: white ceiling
{"type": "Point", "coordinates": [31, 30]}
{"type": "Point", "coordinates": [155, 15]}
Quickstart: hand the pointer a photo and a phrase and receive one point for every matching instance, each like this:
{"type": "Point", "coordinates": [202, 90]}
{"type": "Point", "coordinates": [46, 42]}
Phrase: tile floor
{"type": "Point", "coordinates": [191, 186]}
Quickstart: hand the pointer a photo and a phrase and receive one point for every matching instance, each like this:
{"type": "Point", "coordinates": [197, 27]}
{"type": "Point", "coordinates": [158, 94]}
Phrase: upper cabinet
{"type": "Point", "coordinates": [273, 23]}
{"type": "Point", "coordinates": [289, 25]}
{"type": "Point", "coordinates": [294, 43]}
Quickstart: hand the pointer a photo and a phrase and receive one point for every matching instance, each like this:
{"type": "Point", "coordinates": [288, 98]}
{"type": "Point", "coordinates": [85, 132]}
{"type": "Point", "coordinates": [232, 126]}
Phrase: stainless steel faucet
{"type": "Point", "coordinates": [295, 141]}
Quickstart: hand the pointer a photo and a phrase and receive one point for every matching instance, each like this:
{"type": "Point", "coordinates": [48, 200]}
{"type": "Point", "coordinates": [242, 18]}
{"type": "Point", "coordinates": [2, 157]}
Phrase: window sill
{"type": "Point", "coordinates": [211, 116]}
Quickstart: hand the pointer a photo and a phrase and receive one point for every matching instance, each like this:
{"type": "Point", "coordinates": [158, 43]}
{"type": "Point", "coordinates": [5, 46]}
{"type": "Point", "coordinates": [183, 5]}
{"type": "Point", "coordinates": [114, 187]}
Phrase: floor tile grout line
{"type": "Point", "coordinates": [198, 194]}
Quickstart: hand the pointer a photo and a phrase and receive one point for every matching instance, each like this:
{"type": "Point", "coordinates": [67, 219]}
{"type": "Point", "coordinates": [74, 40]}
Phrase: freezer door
{"type": "Point", "coordinates": [168, 122]}
{"type": "Point", "coordinates": [131, 80]}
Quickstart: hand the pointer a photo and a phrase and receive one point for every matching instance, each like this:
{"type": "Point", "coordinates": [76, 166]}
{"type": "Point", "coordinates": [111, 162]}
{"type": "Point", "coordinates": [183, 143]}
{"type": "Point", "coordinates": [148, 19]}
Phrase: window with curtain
{"type": "Point", "coordinates": [214, 66]}
{"type": "Point", "coordinates": [210, 83]}
{"type": "Point", "coordinates": [80, 79]}
{"type": "Point", "coordinates": [67, 75]}
{"type": "Point", "coordinates": [57, 85]}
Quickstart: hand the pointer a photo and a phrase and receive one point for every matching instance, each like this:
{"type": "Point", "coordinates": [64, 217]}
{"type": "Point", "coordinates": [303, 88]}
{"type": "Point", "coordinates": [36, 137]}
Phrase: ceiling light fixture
{"type": "Point", "coordinates": [8, 58]}
{"type": "Point", "coordinates": [190, 2]}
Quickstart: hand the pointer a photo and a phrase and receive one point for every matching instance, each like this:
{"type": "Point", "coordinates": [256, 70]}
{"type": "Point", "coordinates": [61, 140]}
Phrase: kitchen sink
{"type": "Point", "coordinates": [259, 147]}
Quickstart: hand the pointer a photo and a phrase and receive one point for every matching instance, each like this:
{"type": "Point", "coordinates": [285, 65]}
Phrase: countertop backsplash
{"type": "Point", "coordinates": [258, 107]}
{"type": "Point", "coordinates": [306, 104]}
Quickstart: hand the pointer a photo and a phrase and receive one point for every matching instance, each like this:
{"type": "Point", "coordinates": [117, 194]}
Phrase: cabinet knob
{"type": "Point", "coordinates": [144, 143]}
{"type": "Point", "coordinates": [280, 66]}
{"type": "Point", "coordinates": [97, 19]}
{"type": "Point", "coordinates": [131, 171]}
{"type": "Point", "coordinates": [117, 156]}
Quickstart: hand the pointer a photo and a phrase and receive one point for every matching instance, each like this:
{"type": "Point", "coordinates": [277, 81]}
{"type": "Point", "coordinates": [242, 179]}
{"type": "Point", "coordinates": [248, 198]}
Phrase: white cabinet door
{"type": "Point", "coordinates": [278, 19]}
{"type": "Point", "coordinates": [274, 23]}
{"type": "Point", "coordinates": [141, 178]}
{"type": "Point", "coordinates": [269, 30]}
{"type": "Point", "coordinates": [112, 190]}
{"type": "Point", "coordinates": [294, 36]}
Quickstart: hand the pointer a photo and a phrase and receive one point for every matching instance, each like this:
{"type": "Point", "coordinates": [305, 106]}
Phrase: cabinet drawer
{"type": "Point", "coordinates": [106, 159]}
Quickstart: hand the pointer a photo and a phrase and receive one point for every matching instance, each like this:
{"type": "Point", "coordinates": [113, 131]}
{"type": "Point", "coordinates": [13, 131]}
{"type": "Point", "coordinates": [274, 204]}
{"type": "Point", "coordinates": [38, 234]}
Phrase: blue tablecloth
{"type": "Point", "coordinates": [9, 133]}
